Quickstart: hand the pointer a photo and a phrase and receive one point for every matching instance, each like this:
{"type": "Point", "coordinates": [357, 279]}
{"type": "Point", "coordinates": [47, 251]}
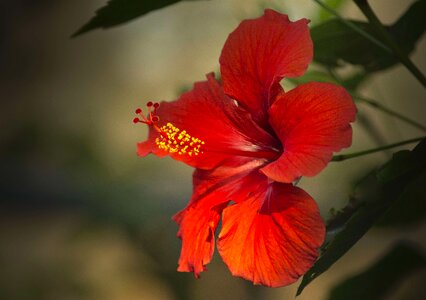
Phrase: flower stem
{"type": "Point", "coordinates": [387, 38]}
{"type": "Point", "coordinates": [384, 109]}
{"type": "Point", "coordinates": [365, 152]}
{"type": "Point", "coordinates": [376, 104]}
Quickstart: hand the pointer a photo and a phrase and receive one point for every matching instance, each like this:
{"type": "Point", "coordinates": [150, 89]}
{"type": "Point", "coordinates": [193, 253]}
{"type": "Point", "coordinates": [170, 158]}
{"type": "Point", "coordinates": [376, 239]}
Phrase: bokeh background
{"type": "Point", "coordinates": [81, 216]}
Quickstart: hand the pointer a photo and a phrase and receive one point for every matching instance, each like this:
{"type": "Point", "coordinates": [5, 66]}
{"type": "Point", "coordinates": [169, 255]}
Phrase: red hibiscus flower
{"type": "Point", "coordinates": [249, 140]}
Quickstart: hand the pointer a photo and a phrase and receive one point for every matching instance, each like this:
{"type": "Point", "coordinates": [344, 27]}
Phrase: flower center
{"type": "Point", "coordinates": [178, 141]}
{"type": "Point", "coordinates": [171, 139]}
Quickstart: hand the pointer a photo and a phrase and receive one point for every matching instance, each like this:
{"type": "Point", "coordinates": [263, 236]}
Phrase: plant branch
{"type": "Point", "coordinates": [365, 152]}
{"type": "Point", "coordinates": [384, 109]}
{"type": "Point", "coordinates": [376, 104]}
{"type": "Point", "coordinates": [384, 34]}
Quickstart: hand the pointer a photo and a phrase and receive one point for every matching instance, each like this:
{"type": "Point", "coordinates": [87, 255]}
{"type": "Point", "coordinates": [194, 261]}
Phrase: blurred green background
{"type": "Point", "coordinates": [81, 216]}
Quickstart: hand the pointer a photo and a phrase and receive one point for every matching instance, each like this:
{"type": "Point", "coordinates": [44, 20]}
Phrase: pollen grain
{"type": "Point", "coordinates": [174, 140]}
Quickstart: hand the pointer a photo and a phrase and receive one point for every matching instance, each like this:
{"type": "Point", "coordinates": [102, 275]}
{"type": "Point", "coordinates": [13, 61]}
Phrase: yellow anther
{"type": "Point", "coordinates": [173, 140]}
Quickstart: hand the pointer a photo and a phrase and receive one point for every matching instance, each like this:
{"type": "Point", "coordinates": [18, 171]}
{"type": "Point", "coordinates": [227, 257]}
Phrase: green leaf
{"type": "Point", "coordinates": [312, 75]}
{"type": "Point", "coordinates": [335, 42]}
{"type": "Point", "coordinates": [117, 12]}
{"type": "Point", "coordinates": [410, 208]}
{"type": "Point", "coordinates": [410, 26]}
{"type": "Point", "coordinates": [351, 82]}
{"type": "Point", "coordinates": [354, 81]}
{"type": "Point", "coordinates": [335, 4]}
{"type": "Point", "coordinates": [403, 162]}
{"type": "Point", "coordinates": [371, 199]}
{"type": "Point", "coordinates": [376, 281]}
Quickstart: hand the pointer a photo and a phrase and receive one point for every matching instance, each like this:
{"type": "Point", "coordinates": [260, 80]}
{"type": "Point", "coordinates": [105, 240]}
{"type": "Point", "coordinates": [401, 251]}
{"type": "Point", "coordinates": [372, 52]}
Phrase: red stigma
{"type": "Point", "coordinates": [151, 117]}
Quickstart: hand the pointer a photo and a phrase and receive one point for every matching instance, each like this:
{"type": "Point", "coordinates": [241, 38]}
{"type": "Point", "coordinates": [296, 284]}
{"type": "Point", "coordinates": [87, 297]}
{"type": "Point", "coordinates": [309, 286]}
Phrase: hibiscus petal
{"type": "Point", "coordinates": [197, 227]}
{"type": "Point", "coordinates": [273, 237]}
{"type": "Point", "coordinates": [258, 54]}
{"type": "Point", "coordinates": [208, 181]}
{"type": "Point", "coordinates": [198, 221]}
{"type": "Point", "coordinates": [312, 121]}
{"type": "Point", "coordinates": [208, 114]}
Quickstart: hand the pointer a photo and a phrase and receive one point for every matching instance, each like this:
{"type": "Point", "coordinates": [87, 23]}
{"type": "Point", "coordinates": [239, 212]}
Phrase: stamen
{"type": "Point", "coordinates": [174, 140]}
{"type": "Point", "coordinates": [171, 138]}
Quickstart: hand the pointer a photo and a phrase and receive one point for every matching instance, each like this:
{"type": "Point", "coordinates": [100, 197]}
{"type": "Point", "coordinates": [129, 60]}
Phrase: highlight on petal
{"type": "Point", "coordinates": [207, 114]}
{"type": "Point", "coordinates": [312, 121]}
{"type": "Point", "coordinates": [273, 237]}
{"type": "Point", "coordinates": [213, 190]}
{"type": "Point", "coordinates": [258, 54]}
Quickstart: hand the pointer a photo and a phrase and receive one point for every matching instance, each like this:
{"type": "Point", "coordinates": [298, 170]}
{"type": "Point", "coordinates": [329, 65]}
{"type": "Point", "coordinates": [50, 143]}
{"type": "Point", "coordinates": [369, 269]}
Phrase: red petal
{"type": "Point", "coordinates": [198, 221]}
{"type": "Point", "coordinates": [149, 146]}
{"type": "Point", "coordinates": [208, 181]}
{"type": "Point", "coordinates": [312, 121]}
{"type": "Point", "coordinates": [273, 237]}
{"type": "Point", "coordinates": [258, 54]}
{"type": "Point", "coordinates": [197, 227]}
{"type": "Point", "coordinates": [208, 114]}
